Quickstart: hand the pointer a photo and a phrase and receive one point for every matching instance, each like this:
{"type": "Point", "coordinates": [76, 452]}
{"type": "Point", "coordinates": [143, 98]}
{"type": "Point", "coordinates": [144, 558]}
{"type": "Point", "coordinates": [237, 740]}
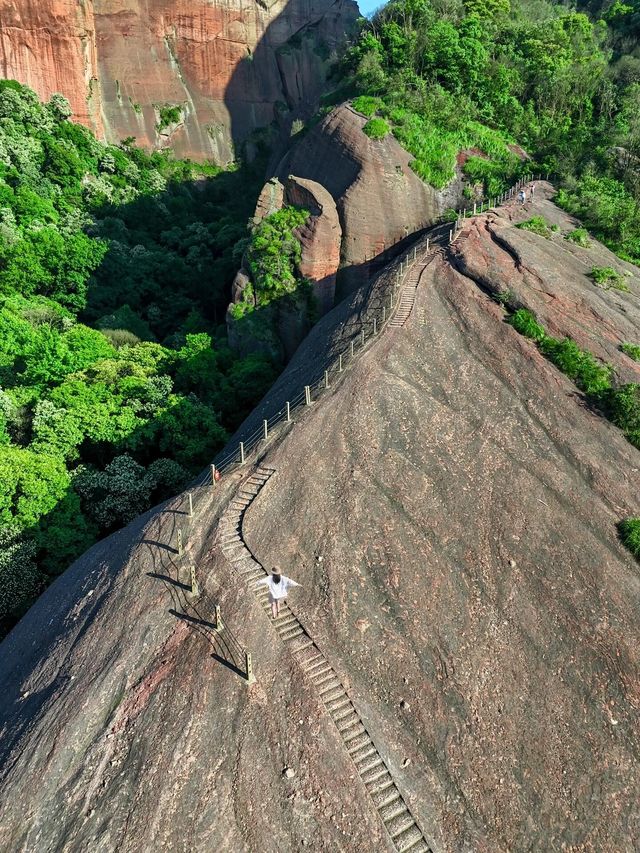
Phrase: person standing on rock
{"type": "Point", "coordinates": [278, 586]}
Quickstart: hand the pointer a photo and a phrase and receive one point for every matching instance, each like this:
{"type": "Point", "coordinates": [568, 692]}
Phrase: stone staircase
{"type": "Point", "coordinates": [410, 288]}
{"type": "Point", "coordinates": [374, 773]}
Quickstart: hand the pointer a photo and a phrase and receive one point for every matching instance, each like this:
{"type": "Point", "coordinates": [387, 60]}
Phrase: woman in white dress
{"type": "Point", "coordinates": [278, 586]}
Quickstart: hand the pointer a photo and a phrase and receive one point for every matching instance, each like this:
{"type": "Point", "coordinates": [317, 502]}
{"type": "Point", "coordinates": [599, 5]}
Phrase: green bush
{"type": "Point", "coordinates": [579, 236]}
{"type": "Point", "coordinates": [523, 321]}
{"type": "Point", "coordinates": [367, 105]}
{"type": "Point", "coordinates": [623, 408]}
{"type": "Point", "coordinates": [168, 114]}
{"type": "Point", "coordinates": [632, 350]}
{"type": "Point", "coordinates": [588, 374]}
{"type": "Point", "coordinates": [608, 278]}
{"type": "Point", "coordinates": [537, 224]}
{"type": "Point", "coordinates": [273, 254]}
{"type": "Point", "coordinates": [629, 530]}
{"type": "Point", "coordinates": [376, 128]}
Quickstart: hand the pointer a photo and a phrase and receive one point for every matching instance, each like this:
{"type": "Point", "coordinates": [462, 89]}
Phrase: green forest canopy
{"type": "Point", "coordinates": [490, 75]}
{"type": "Point", "coordinates": [116, 380]}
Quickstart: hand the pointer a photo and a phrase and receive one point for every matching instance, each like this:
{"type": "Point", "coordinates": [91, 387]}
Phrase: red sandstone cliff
{"type": "Point", "coordinates": [232, 67]}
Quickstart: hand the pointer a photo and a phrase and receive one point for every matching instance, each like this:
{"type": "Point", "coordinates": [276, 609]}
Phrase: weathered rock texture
{"type": "Point", "coordinates": [320, 238]}
{"type": "Point", "coordinates": [472, 590]}
{"type": "Point", "coordinates": [380, 199]}
{"type": "Point", "coordinates": [231, 66]}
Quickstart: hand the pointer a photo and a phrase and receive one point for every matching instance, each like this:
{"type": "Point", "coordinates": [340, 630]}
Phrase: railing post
{"type": "Point", "coordinates": [353, 344]}
{"type": "Point", "coordinates": [451, 235]}
{"type": "Point", "coordinates": [415, 252]}
{"type": "Point", "coordinates": [180, 548]}
{"type": "Point", "coordinates": [427, 244]}
{"type": "Point", "coordinates": [326, 379]}
{"type": "Point", "coordinates": [340, 363]}
{"type": "Point", "coordinates": [362, 336]}
{"type": "Point", "coordinates": [248, 665]}
{"type": "Point", "coordinates": [384, 314]}
{"type": "Point", "coordinates": [218, 618]}
{"type": "Point", "coordinates": [288, 412]}
{"type": "Point", "coordinates": [242, 452]}
{"type": "Point", "coordinates": [195, 589]}
{"type": "Point", "coordinates": [213, 475]}
{"type": "Point", "coordinates": [265, 425]}
{"type": "Point", "coordinates": [307, 395]}
{"type": "Point", "coordinates": [190, 505]}
{"type": "Point", "coordinates": [475, 207]}
{"type": "Point", "coordinates": [375, 326]}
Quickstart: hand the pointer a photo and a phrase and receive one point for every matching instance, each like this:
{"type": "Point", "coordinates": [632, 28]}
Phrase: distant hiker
{"type": "Point", "coordinates": [278, 586]}
{"type": "Point", "coordinates": [522, 196]}
{"type": "Point", "coordinates": [532, 191]}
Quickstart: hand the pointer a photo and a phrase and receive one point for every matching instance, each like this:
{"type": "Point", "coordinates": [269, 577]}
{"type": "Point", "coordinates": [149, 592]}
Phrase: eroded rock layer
{"type": "Point", "coordinates": [380, 199]}
{"type": "Point", "coordinates": [230, 67]}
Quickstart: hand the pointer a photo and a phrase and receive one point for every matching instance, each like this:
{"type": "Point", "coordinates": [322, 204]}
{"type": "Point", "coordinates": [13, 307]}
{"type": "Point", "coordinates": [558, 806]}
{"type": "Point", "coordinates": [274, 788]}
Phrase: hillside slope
{"type": "Point", "coordinates": [472, 593]}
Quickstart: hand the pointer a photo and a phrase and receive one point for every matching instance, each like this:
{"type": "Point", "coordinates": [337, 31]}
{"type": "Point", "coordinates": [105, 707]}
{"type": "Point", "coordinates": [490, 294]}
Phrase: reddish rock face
{"type": "Point", "coordinates": [51, 46]}
{"type": "Point", "coordinates": [230, 66]}
{"type": "Point", "coordinates": [380, 199]}
{"type": "Point", "coordinates": [320, 238]}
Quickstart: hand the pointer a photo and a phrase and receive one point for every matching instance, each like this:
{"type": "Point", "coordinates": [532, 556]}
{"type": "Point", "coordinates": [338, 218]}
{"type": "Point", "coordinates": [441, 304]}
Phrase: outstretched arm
{"type": "Point", "coordinates": [262, 582]}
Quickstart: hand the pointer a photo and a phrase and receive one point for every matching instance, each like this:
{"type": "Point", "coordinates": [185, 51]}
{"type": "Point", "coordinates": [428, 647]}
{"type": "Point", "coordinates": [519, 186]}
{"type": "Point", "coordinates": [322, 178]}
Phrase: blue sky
{"type": "Point", "coordinates": [367, 6]}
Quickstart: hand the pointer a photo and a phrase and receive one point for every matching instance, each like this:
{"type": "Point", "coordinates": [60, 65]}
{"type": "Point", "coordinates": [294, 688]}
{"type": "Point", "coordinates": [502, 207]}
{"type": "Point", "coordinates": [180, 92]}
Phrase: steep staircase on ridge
{"type": "Point", "coordinates": [403, 830]}
{"type": "Point", "coordinates": [409, 290]}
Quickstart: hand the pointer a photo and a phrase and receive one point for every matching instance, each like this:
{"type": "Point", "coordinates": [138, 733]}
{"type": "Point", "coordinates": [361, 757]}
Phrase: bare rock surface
{"type": "Point", "coordinates": [449, 507]}
{"type": "Point", "coordinates": [230, 66]}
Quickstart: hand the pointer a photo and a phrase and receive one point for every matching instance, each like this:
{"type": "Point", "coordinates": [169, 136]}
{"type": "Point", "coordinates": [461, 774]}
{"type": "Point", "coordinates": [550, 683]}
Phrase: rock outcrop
{"type": "Point", "coordinates": [380, 199]}
{"type": "Point", "coordinates": [320, 240]}
{"type": "Point", "coordinates": [472, 594]}
{"type": "Point", "coordinates": [230, 66]}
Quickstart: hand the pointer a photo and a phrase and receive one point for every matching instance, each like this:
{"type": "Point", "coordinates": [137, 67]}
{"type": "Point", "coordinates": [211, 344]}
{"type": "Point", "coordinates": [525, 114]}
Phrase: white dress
{"type": "Point", "coordinates": [277, 591]}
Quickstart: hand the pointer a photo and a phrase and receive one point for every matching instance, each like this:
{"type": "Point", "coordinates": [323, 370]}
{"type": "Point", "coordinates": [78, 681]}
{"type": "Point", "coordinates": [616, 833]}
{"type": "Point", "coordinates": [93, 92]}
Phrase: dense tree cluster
{"type": "Point", "coordinates": [486, 75]}
{"type": "Point", "coordinates": [116, 379]}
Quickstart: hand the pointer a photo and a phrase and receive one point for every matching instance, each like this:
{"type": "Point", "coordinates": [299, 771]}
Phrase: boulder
{"type": "Point", "coordinates": [379, 199]}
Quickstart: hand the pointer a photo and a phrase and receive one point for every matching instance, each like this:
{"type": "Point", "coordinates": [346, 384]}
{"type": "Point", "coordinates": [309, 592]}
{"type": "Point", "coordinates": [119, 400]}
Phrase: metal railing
{"type": "Point", "coordinates": [376, 315]}
{"type": "Point", "coordinates": [176, 564]}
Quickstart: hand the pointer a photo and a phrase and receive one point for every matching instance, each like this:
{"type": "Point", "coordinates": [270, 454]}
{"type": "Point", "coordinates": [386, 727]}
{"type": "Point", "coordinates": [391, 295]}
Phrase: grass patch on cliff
{"type": "Point", "coordinates": [367, 105]}
{"type": "Point", "coordinates": [632, 350]}
{"type": "Point", "coordinates": [376, 128]}
{"type": "Point", "coordinates": [537, 224]}
{"type": "Point", "coordinates": [629, 532]}
{"type": "Point", "coordinates": [620, 404]}
{"type": "Point", "coordinates": [608, 278]}
{"type": "Point", "coordinates": [579, 236]}
{"type": "Point", "coordinates": [523, 321]}
{"type": "Point", "coordinates": [168, 114]}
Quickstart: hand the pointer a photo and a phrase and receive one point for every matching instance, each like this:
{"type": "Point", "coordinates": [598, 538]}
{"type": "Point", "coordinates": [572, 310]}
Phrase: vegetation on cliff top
{"type": "Point", "coordinates": [492, 77]}
{"type": "Point", "coordinates": [116, 379]}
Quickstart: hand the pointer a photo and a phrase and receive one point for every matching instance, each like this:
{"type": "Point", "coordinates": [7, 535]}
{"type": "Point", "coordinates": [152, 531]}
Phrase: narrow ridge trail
{"type": "Point", "coordinates": [410, 288]}
{"type": "Point", "coordinates": [403, 830]}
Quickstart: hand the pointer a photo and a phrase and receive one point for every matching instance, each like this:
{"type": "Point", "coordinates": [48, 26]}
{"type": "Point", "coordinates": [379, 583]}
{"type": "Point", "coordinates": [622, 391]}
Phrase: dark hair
{"type": "Point", "coordinates": [276, 574]}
